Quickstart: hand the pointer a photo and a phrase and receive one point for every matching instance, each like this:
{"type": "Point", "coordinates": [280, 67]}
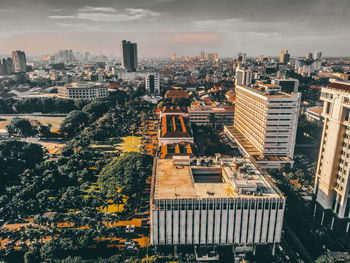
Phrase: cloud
{"type": "Point", "coordinates": [97, 9]}
{"type": "Point", "coordinates": [61, 17]}
{"type": "Point", "coordinates": [109, 14]}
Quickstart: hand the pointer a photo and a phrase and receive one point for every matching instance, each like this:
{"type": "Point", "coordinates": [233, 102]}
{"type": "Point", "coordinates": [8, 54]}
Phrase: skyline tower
{"type": "Point", "coordinates": [285, 56]}
{"type": "Point", "coordinates": [129, 55]}
{"type": "Point", "coordinates": [19, 61]}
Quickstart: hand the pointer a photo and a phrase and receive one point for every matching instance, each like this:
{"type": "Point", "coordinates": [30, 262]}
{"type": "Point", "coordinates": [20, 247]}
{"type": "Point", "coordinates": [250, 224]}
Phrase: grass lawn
{"type": "Point", "coordinates": [53, 120]}
{"type": "Point", "coordinates": [130, 144]}
{"type": "Point", "coordinates": [124, 144]}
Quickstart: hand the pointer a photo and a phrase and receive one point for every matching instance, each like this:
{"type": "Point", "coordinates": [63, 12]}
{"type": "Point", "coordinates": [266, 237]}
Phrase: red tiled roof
{"type": "Point", "coordinates": [174, 126]}
{"type": "Point", "coordinates": [181, 94]}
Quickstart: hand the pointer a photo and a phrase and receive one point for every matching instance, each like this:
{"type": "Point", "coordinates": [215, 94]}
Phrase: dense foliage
{"type": "Point", "coordinates": [127, 172]}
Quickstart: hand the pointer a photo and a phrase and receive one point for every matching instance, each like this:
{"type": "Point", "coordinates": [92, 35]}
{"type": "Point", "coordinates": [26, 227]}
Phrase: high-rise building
{"type": "Point", "coordinates": [318, 55]}
{"type": "Point", "coordinates": [265, 124]}
{"type": "Point", "coordinates": [285, 56]}
{"type": "Point", "coordinates": [152, 81]}
{"type": "Point", "coordinates": [205, 203]}
{"type": "Point", "coordinates": [173, 57]}
{"type": "Point", "coordinates": [332, 184]}
{"type": "Point", "coordinates": [129, 55]}
{"type": "Point", "coordinates": [243, 76]}
{"type": "Point", "coordinates": [215, 57]}
{"type": "Point", "coordinates": [309, 56]}
{"type": "Point", "coordinates": [202, 57]}
{"type": "Point", "coordinates": [287, 85]}
{"type": "Point", "coordinates": [241, 58]}
{"type": "Point", "coordinates": [19, 61]}
{"type": "Point", "coordinates": [7, 67]}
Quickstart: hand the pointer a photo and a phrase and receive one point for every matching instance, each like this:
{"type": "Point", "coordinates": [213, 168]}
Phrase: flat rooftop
{"type": "Point", "coordinates": [224, 179]}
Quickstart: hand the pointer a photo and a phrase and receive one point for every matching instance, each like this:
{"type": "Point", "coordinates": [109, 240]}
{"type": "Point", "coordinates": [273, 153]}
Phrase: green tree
{"type": "Point", "coordinates": [22, 127]}
{"type": "Point", "coordinates": [74, 123]}
{"type": "Point", "coordinates": [325, 259]}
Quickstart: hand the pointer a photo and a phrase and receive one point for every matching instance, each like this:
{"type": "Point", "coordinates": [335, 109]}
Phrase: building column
{"type": "Point", "coordinates": [322, 218]}
{"type": "Point", "coordinates": [313, 216]}
{"type": "Point", "coordinates": [254, 250]}
{"type": "Point", "coordinates": [332, 224]}
{"type": "Point", "coordinates": [273, 249]}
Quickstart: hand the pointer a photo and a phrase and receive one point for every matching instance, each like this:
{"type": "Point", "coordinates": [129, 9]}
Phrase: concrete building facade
{"type": "Point", "coordinates": [152, 83]}
{"type": "Point", "coordinates": [332, 184]}
{"type": "Point", "coordinates": [229, 202]}
{"type": "Point", "coordinates": [265, 124]}
{"type": "Point", "coordinates": [82, 90]}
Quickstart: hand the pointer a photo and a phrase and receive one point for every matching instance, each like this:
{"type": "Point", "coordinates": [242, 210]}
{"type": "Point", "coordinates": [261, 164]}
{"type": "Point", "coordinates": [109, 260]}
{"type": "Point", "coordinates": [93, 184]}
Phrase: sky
{"type": "Point", "coordinates": [184, 27]}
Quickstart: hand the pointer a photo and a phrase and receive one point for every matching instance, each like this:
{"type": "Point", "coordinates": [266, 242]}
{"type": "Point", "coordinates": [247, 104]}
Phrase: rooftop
{"type": "Point", "coordinates": [269, 91]}
{"type": "Point", "coordinates": [174, 126]}
{"type": "Point", "coordinates": [343, 86]}
{"type": "Point", "coordinates": [227, 178]}
{"type": "Point", "coordinates": [179, 94]}
{"type": "Point", "coordinates": [83, 85]}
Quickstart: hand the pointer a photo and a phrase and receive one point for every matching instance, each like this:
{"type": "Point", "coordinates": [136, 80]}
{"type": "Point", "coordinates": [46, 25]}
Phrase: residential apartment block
{"type": "Point", "coordinates": [265, 124]}
{"type": "Point", "coordinates": [332, 184]}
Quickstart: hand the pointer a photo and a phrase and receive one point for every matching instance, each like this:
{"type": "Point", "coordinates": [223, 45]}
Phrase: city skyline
{"type": "Point", "coordinates": [163, 27]}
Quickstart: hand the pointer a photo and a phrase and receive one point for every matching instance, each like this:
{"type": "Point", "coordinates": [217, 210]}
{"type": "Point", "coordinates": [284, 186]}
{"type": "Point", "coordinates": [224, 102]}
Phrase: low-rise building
{"type": "Point", "coordinates": [174, 129]}
{"type": "Point", "coordinates": [204, 115]}
{"type": "Point", "coordinates": [82, 90]}
{"type": "Point", "coordinates": [314, 113]}
{"type": "Point", "coordinates": [214, 202]}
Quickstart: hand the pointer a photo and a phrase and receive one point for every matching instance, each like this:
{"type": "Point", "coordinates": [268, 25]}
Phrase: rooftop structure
{"type": "Point", "coordinates": [174, 129]}
{"type": "Point", "coordinates": [214, 201]}
{"type": "Point", "coordinates": [177, 94]}
{"type": "Point", "coordinates": [174, 110]}
{"type": "Point", "coordinates": [178, 149]}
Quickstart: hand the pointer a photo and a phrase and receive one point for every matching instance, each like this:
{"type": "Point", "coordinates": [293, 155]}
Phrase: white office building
{"type": "Point", "coordinates": [265, 124]}
{"type": "Point", "coordinates": [152, 82]}
{"type": "Point", "coordinates": [214, 202]}
{"type": "Point", "coordinates": [243, 76]}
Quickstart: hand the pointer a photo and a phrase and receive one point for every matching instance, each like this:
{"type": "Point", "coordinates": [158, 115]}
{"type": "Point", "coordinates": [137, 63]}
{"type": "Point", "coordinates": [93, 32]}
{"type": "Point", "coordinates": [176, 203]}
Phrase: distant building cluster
{"type": "Point", "coordinates": [16, 64]}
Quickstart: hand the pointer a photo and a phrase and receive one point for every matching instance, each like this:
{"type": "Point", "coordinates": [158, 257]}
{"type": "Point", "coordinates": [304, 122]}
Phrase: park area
{"type": "Point", "coordinates": [123, 144]}
{"type": "Point", "coordinates": [54, 120]}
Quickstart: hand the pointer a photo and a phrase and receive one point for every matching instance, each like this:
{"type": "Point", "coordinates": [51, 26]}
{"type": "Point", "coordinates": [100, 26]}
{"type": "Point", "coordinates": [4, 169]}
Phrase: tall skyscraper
{"type": "Point", "coordinates": [243, 76]}
{"type": "Point", "coordinates": [318, 55]}
{"type": "Point", "coordinates": [19, 61]}
{"type": "Point", "coordinates": [285, 56]}
{"type": "Point", "coordinates": [129, 55]}
{"type": "Point", "coordinates": [152, 81]}
{"type": "Point", "coordinates": [332, 184]}
{"type": "Point", "coordinates": [241, 58]}
{"type": "Point", "coordinates": [202, 55]}
{"type": "Point", "coordinates": [6, 68]}
{"type": "Point", "coordinates": [309, 56]}
{"type": "Point", "coordinates": [265, 124]}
